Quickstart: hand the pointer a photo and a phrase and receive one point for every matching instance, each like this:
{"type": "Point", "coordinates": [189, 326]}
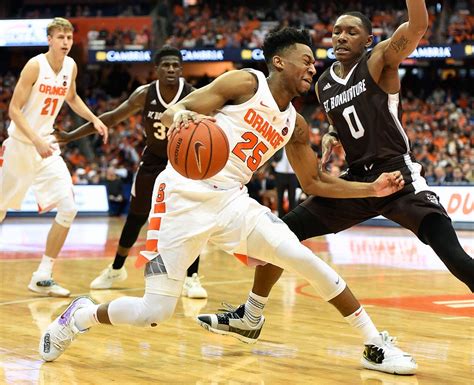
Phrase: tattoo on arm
{"type": "Point", "coordinates": [400, 44]}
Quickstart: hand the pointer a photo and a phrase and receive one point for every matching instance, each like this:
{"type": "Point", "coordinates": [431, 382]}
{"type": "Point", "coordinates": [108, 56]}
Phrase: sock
{"type": "Point", "coordinates": [119, 261]}
{"type": "Point", "coordinates": [361, 321]}
{"type": "Point", "coordinates": [86, 317]}
{"type": "Point", "coordinates": [254, 308]}
{"type": "Point", "coordinates": [46, 265]}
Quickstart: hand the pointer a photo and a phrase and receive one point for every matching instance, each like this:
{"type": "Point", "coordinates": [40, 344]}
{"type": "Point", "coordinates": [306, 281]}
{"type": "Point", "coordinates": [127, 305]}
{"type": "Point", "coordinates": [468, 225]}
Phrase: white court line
{"type": "Point", "coordinates": [451, 318]}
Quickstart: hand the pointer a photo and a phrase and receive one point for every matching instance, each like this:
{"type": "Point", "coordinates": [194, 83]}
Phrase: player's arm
{"type": "Point", "coordinates": [237, 86]}
{"type": "Point", "coordinates": [129, 107]}
{"type": "Point", "coordinates": [314, 182]}
{"type": "Point", "coordinates": [80, 108]}
{"type": "Point", "coordinates": [330, 139]}
{"type": "Point", "coordinates": [407, 36]}
{"type": "Point", "coordinates": [28, 77]}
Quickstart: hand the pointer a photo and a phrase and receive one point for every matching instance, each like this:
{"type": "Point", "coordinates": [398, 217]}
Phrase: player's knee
{"type": "Point", "coordinates": [131, 229]}
{"type": "Point", "coordinates": [65, 218]}
{"type": "Point", "coordinates": [156, 309]}
{"type": "Point", "coordinates": [66, 211]}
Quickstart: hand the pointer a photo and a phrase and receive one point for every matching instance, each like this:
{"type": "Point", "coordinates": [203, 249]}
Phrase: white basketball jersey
{"type": "Point", "coordinates": [255, 130]}
{"type": "Point", "coordinates": [46, 98]}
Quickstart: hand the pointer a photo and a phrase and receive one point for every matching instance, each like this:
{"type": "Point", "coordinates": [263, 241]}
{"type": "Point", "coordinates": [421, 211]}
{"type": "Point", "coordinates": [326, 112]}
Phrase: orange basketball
{"type": "Point", "coordinates": [199, 151]}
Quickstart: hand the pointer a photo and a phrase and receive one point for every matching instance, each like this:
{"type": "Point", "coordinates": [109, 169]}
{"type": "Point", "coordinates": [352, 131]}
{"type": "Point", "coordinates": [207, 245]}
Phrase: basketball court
{"type": "Point", "coordinates": [402, 284]}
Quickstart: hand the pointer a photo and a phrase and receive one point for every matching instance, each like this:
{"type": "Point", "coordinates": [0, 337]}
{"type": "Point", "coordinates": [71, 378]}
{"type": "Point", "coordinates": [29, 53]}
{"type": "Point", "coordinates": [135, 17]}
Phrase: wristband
{"type": "Point", "coordinates": [333, 134]}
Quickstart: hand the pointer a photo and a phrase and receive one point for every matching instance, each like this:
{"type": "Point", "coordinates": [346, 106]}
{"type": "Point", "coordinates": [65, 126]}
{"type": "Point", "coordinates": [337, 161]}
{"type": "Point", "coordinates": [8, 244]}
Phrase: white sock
{"type": "Point", "coordinates": [46, 265]}
{"type": "Point", "coordinates": [364, 325]}
{"type": "Point", "coordinates": [254, 308]}
{"type": "Point", "coordinates": [85, 317]}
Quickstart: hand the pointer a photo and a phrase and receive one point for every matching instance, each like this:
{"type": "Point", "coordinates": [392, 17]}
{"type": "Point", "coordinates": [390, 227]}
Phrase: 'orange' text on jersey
{"type": "Point", "coordinates": [51, 90]}
{"type": "Point", "coordinates": [263, 127]}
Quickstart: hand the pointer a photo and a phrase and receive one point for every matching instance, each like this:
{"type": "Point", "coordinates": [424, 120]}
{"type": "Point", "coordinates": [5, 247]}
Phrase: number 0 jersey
{"type": "Point", "coordinates": [256, 130]}
{"type": "Point", "coordinates": [46, 98]}
{"type": "Point", "coordinates": [366, 118]}
{"type": "Point", "coordinates": [156, 138]}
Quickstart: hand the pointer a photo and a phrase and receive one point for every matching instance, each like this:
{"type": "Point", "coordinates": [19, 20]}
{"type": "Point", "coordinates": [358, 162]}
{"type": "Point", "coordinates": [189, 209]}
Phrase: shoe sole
{"type": "Point", "coordinates": [47, 293]}
{"type": "Point", "coordinates": [397, 370]}
{"type": "Point", "coordinates": [244, 339]}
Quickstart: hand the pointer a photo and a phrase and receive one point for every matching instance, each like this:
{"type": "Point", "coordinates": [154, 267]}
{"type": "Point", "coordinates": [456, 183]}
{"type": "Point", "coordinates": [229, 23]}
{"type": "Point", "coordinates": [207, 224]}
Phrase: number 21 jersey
{"type": "Point", "coordinates": [46, 98]}
{"type": "Point", "coordinates": [366, 118]}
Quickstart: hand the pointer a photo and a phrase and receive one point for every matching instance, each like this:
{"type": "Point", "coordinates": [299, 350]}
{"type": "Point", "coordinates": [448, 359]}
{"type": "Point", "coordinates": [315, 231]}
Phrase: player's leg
{"type": "Point", "coordinates": [291, 255]}
{"type": "Point", "coordinates": [424, 216]}
{"type": "Point", "coordinates": [192, 287]}
{"type": "Point", "coordinates": [437, 231]}
{"type": "Point", "coordinates": [156, 306]}
{"type": "Point", "coordinates": [140, 205]}
{"type": "Point", "coordinates": [53, 188]}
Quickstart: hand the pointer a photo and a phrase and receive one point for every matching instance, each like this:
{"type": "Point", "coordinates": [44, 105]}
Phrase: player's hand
{"type": "Point", "coordinates": [183, 118]}
{"type": "Point", "coordinates": [388, 183]}
{"type": "Point", "coordinates": [328, 142]}
{"type": "Point", "coordinates": [101, 129]}
{"type": "Point", "coordinates": [44, 148]}
{"type": "Point", "coordinates": [62, 137]}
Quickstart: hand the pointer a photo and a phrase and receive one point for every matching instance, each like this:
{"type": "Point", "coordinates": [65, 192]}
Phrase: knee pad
{"type": "Point", "coordinates": [66, 211]}
{"type": "Point", "coordinates": [131, 229]}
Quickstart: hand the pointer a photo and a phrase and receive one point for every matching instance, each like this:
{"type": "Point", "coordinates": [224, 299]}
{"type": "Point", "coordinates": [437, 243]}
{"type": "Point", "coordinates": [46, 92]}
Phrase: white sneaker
{"type": "Point", "coordinates": [192, 287]}
{"type": "Point", "coordinates": [62, 331]}
{"type": "Point", "coordinates": [43, 284]}
{"type": "Point", "coordinates": [108, 277]}
{"type": "Point", "coordinates": [387, 357]}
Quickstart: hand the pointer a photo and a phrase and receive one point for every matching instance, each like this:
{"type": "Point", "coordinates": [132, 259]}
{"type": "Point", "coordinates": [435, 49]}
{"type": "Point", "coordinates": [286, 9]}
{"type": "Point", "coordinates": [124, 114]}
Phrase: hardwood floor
{"type": "Point", "coordinates": [304, 341]}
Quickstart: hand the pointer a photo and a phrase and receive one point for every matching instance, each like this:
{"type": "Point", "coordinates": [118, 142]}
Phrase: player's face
{"type": "Point", "coordinates": [60, 42]}
{"type": "Point", "coordinates": [299, 67]}
{"type": "Point", "coordinates": [169, 70]}
{"type": "Point", "coordinates": [349, 38]}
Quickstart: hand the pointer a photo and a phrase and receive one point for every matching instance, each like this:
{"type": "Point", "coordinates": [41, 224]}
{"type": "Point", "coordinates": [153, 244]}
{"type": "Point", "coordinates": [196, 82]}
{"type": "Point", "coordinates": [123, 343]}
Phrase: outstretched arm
{"type": "Point", "coordinates": [314, 182]}
{"type": "Point", "coordinates": [129, 107]}
{"type": "Point", "coordinates": [407, 36]}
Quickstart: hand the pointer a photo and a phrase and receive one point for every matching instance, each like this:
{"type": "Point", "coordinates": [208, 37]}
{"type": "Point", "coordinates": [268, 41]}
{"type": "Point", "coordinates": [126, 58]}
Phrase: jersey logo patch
{"type": "Point", "coordinates": [153, 102]}
{"type": "Point", "coordinates": [326, 87]}
{"type": "Point", "coordinates": [432, 198]}
{"type": "Point", "coordinates": [197, 154]}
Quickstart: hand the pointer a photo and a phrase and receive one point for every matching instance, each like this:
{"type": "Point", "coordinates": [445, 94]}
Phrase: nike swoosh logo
{"type": "Point", "coordinates": [358, 313]}
{"type": "Point", "coordinates": [264, 105]}
{"type": "Point", "coordinates": [197, 154]}
{"type": "Point", "coordinates": [337, 282]}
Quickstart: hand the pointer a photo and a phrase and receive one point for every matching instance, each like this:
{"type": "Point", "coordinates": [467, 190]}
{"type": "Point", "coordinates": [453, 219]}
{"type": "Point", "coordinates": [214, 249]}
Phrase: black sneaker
{"type": "Point", "coordinates": [232, 323]}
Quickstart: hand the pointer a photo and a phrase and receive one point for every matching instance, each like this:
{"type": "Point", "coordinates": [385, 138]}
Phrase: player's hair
{"type": "Point", "coordinates": [167, 50]}
{"type": "Point", "coordinates": [364, 19]}
{"type": "Point", "coordinates": [59, 23]}
{"type": "Point", "coordinates": [278, 40]}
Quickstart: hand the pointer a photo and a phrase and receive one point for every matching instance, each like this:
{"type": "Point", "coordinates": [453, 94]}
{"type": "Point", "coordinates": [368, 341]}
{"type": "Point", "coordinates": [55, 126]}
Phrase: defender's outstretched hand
{"type": "Point", "coordinates": [329, 142]}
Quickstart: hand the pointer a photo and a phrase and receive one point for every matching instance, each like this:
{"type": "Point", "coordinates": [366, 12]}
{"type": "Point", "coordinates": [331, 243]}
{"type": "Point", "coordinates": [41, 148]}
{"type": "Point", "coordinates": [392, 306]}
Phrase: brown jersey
{"type": "Point", "coordinates": [156, 138]}
{"type": "Point", "coordinates": [366, 118]}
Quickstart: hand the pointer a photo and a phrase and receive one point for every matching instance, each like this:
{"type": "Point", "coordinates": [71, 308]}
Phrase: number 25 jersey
{"type": "Point", "coordinates": [366, 118]}
{"type": "Point", "coordinates": [46, 98]}
{"type": "Point", "coordinates": [255, 129]}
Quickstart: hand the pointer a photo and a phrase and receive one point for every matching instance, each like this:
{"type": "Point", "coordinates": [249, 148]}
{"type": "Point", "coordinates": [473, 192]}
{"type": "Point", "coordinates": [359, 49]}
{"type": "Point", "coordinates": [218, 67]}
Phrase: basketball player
{"type": "Point", "coordinates": [152, 99]}
{"type": "Point", "coordinates": [259, 119]}
{"type": "Point", "coordinates": [30, 157]}
{"type": "Point", "coordinates": [360, 93]}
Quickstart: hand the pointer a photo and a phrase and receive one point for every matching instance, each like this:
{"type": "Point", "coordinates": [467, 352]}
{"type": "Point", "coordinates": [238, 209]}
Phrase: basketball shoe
{"type": "Point", "coordinates": [108, 277]}
{"type": "Point", "coordinates": [232, 323]}
{"type": "Point", "coordinates": [62, 331]}
{"type": "Point", "coordinates": [44, 284]}
{"type": "Point", "coordinates": [387, 358]}
{"type": "Point", "coordinates": [192, 287]}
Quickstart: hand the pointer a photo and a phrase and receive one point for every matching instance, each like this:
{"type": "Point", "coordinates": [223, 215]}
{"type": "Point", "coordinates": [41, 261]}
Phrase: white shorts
{"type": "Point", "coordinates": [187, 214]}
{"type": "Point", "coordinates": [23, 168]}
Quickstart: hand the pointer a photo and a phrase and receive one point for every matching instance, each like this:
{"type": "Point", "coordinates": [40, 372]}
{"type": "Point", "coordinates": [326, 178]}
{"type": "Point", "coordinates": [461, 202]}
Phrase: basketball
{"type": "Point", "coordinates": [199, 151]}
